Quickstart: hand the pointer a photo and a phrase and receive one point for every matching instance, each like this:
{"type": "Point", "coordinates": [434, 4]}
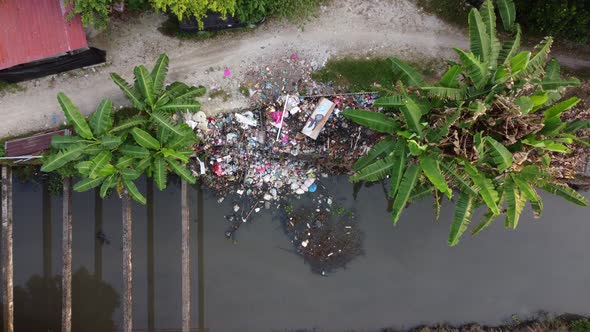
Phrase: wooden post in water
{"type": "Point", "coordinates": [186, 279]}
{"type": "Point", "coordinates": [151, 307]}
{"type": "Point", "coordinates": [66, 245]}
{"type": "Point", "coordinates": [97, 229]}
{"type": "Point", "coordinates": [7, 275]}
{"type": "Point", "coordinates": [127, 267]}
{"type": "Point", "coordinates": [201, 254]}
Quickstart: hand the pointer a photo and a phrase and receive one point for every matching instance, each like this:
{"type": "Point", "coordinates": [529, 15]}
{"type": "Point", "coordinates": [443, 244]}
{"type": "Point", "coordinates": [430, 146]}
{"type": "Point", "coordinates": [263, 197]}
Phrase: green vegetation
{"type": "Point", "coordinates": [92, 12]}
{"type": "Point", "coordinates": [296, 11]}
{"type": "Point", "coordinates": [569, 19]}
{"type": "Point", "coordinates": [365, 74]}
{"type": "Point", "coordinates": [220, 93]}
{"type": "Point", "coordinates": [96, 12]}
{"type": "Point", "coordinates": [170, 28]}
{"type": "Point", "coordinates": [10, 87]}
{"type": "Point", "coordinates": [112, 152]}
{"type": "Point", "coordinates": [197, 8]}
{"type": "Point", "coordinates": [545, 323]}
{"type": "Point", "coordinates": [486, 132]}
{"type": "Point", "coordinates": [582, 325]}
{"type": "Point", "coordinates": [451, 11]}
{"type": "Point", "coordinates": [356, 75]}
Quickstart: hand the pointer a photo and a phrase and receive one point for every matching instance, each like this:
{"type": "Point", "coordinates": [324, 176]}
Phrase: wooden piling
{"type": "Point", "coordinates": [151, 290]}
{"type": "Point", "coordinates": [201, 255]}
{"type": "Point", "coordinates": [98, 242]}
{"type": "Point", "coordinates": [186, 281]}
{"type": "Point", "coordinates": [127, 264]}
{"type": "Point", "coordinates": [66, 245]}
{"type": "Point", "coordinates": [7, 267]}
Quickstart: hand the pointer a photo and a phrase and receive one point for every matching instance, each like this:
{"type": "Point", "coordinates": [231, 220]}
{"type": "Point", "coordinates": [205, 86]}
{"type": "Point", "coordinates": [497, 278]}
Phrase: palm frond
{"type": "Point", "coordinates": [101, 121]}
{"type": "Point", "coordinates": [500, 154]}
{"type": "Point", "coordinates": [373, 120]}
{"type": "Point", "coordinates": [145, 84]}
{"type": "Point", "coordinates": [406, 187]}
{"type": "Point", "coordinates": [510, 47]}
{"type": "Point", "coordinates": [486, 221]}
{"type": "Point", "coordinates": [430, 167]}
{"type": "Point", "coordinates": [74, 117]}
{"type": "Point", "coordinates": [507, 13]}
{"type": "Point", "coordinates": [380, 149]}
{"type": "Point", "coordinates": [406, 73]}
{"type": "Point", "coordinates": [479, 39]}
{"type": "Point", "coordinates": [376, 171]}
{"type": "Point", "coordinates": [159, 73]}
{"type": "Point", "coordinates": [565, 192]}
{"type": "Point", "coordinates": [476, 70]}
{"type": "Point", "coordinates": [484, 187]}
{"type": "Point", "coordinates": [130, 92]}
{"type": "Point", "coordinates": [444, 93]}
{"type": "Point", "coordinates": [412, 114]}
{"type": "Point", "coordinates": [462, 217]}
{"type": "Point", "coordinates": [515, 202]}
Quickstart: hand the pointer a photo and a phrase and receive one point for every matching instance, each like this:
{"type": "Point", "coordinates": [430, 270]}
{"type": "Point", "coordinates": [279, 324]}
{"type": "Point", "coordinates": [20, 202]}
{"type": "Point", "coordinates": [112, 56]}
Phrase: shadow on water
{"type": "Point", "coordinates": [37, 305]}
{"type": "Point", "coordinates": [407, 275]}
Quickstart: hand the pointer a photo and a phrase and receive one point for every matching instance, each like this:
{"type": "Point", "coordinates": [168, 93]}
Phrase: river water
{"type": "Point", "coordinates": [406, 277]}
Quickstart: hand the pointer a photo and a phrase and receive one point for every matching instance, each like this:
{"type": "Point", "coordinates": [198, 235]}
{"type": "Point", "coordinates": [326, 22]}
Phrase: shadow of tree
{"type": "Point", "coordinates": [37, 306]}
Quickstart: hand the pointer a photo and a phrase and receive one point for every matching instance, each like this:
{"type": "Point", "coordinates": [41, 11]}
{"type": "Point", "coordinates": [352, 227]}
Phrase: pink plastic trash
{"type": "Point", "coordinates": [276, 117]}
{"type": "Point", "coordinates": [226, 72]}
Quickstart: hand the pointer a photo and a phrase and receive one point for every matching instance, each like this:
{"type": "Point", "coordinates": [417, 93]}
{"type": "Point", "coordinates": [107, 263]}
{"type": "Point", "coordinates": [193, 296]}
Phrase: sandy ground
{"type": "Point", "coordinates": [347, 27]}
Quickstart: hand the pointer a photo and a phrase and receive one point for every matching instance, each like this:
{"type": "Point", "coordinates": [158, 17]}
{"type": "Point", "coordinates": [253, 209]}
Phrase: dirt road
{"type": "Point", "coordinates": [347, 27]}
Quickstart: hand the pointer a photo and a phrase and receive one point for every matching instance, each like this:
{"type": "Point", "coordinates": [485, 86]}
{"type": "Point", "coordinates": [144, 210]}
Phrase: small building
{"type": "Point", "coordinates": [36, 40]}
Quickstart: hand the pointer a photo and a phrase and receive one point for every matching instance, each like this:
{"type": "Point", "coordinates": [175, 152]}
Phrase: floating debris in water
{"type": "Point", "coordinates": [260, 157]}
{"type": "Point", "coordinates": [326, 242]}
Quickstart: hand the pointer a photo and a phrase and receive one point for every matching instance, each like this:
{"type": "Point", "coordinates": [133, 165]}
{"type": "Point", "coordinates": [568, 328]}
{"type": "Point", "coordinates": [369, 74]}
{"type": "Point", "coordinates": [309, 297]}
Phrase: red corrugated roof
{"type": "Point", "coordinates": [32, 30]}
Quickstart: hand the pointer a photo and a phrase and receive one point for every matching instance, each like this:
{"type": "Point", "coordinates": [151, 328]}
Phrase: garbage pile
{"type": "Point", "coordinates": [289, 74]}
{"type": "Point", "coordinates": [264, 157]}
{"type": "Point", "coordinates": [327, 237]}
{"type": "Point", "coordinates": [262, 153]}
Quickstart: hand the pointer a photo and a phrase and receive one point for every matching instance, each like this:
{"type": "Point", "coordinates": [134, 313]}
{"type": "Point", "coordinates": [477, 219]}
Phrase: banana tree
{"type": "Point", "coordinates": [484, 132]}
{"type": "Point", "coordinates": [113, 154]}
{"type": "Point", "coordinates": [150, 97]}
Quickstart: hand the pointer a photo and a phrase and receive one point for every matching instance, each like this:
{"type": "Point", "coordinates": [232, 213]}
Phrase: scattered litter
{"type": "Point", "coordinates": [245, 156]}
{"type": "Point", "coordinates": [325, 241]}
{"type": "Point", "coordinates": [318, 118]}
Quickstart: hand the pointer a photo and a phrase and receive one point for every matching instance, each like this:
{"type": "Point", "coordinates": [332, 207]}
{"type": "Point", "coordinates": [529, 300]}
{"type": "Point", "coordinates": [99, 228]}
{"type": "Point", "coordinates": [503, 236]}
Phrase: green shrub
{"type": "Point", "coordinates": [297, 11]}
{"type": "Point", "coordinates": [569, 19]}
{"type": "Point", "coordinates": [92, 12]}
{"type": "Point", "coordinates": [138, 5]}
{"type": "Point", "coordinates": [582, 325]}
{"type": "Point", "coordinates": [487, 130]}
{"type": "Point", "coordinates": [451, 11]}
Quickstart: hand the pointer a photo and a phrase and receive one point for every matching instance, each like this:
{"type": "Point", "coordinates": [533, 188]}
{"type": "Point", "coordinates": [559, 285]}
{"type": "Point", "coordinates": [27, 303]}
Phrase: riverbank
{"type": "Point", "coordinates": [544, 323]}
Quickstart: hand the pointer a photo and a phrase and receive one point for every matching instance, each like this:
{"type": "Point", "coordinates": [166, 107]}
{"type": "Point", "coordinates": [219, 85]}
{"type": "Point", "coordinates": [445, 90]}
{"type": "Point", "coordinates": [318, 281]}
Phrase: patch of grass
{"type": "Point", "coordinates": [451, 11]}
{"type": "Point", "coordinates": [367, 74]}
{"type": "Point", "coordinates": [219, 93]}
{"type": "Point", "coordinates": [244, 91]}
{"type": "Point", "coordinates": [582, 325]}
{"type": "Point", "coordinates": [10, 87]}
{"type": "Point", "coordinates": [354, 74]}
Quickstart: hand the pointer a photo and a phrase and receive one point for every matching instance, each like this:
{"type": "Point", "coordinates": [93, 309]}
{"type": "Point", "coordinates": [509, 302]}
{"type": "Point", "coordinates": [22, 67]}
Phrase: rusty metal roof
{"type": "Point", "coordinates": [30, 146]}
{"type": "Point", "coordinates": [32, 30]}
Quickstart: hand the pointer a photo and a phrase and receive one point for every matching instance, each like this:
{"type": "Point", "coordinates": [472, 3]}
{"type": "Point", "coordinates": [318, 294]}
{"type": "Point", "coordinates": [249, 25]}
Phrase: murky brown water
{"type": "Point", "coordinates": [408, 275]}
